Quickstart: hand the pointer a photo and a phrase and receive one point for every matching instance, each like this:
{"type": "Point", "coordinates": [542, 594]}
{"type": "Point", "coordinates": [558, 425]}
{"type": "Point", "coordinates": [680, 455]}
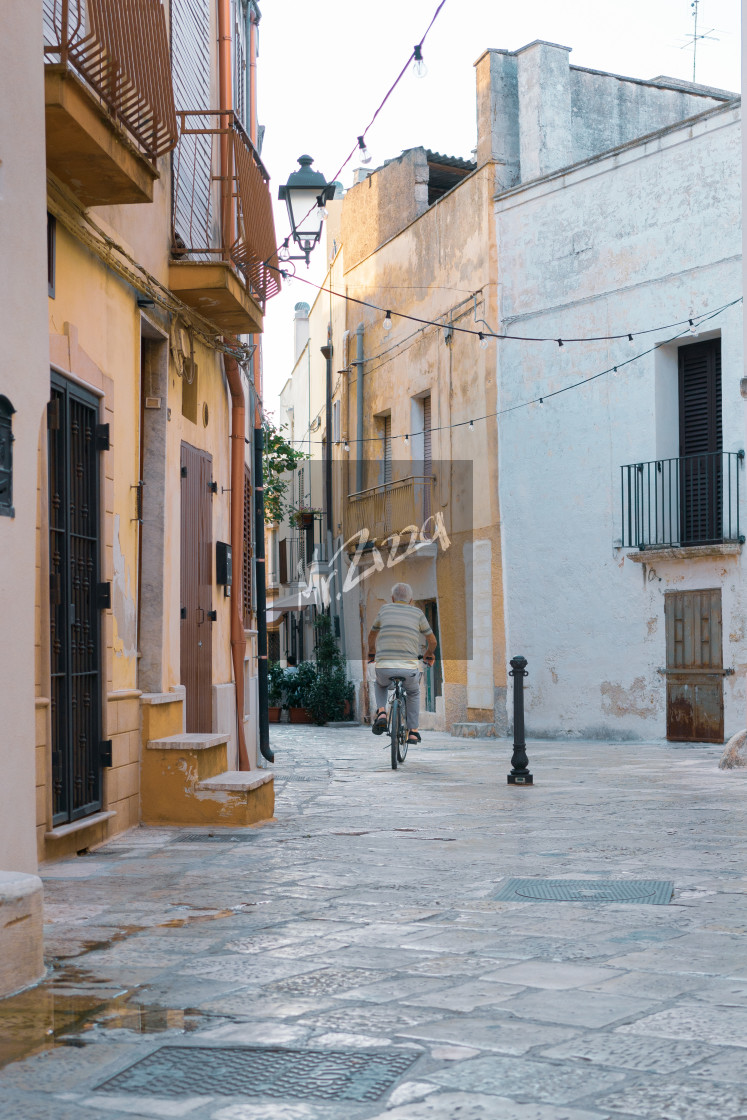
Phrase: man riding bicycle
{"type": "Point", "coordinates": [394, 645]}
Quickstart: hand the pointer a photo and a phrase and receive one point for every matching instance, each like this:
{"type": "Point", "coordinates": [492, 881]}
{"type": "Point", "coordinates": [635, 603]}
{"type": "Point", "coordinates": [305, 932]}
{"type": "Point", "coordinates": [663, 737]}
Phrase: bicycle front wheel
{"type": "Point", "coordinates": [394, 722]}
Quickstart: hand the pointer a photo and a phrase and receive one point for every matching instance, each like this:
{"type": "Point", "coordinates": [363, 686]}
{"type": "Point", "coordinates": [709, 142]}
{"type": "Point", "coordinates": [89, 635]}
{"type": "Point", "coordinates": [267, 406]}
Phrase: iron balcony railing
{"type": "Point", "coordinates": [691, 500]}
{"type": "Point", "coordinates": [222, 209]}
{"type": "Point", "coordinates": [120, 49]}
{"type": "Point", "coordinates": [396, 507]}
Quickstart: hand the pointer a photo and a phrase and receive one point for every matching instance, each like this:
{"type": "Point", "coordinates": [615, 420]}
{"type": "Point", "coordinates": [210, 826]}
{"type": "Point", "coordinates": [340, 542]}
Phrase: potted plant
{"type": "Point", "coordinates": [298, 690]}
{"type": "Point", "coordinates": [330, 696]}
{"type": "Point", "coordinates": [303, 517]}
{"type": "Point", "coordinates": [275, 691]}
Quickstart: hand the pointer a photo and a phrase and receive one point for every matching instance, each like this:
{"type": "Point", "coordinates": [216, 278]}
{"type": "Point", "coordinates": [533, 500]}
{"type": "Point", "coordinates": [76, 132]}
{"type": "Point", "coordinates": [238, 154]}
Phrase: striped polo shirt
{"type": "Point", "coordinates": [401, 628]}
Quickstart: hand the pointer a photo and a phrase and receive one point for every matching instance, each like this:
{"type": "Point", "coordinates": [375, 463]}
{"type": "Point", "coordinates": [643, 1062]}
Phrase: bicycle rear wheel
{"type": "Point", "coordinates": [402, 742]}
{"type": "Point", "coordinates": [394, 722]}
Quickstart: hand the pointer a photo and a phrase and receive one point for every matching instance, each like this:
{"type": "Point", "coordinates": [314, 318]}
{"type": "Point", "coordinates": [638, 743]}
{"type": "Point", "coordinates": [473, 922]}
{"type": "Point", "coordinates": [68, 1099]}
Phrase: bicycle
{"type": "Point", "coordinates": [396, 722]}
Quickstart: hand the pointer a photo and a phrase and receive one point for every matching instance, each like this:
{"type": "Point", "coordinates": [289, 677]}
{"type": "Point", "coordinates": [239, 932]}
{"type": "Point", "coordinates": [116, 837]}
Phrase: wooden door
{"type": "Point", "coordinates": [694, 672]}
{"type": "Point", "coordinates": [74, 444]}
{"type": "Point", "coordinates": [197, 587]}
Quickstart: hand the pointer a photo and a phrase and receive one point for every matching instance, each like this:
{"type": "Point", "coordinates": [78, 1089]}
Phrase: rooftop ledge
{"type": "Point", "coordinates": [686, 552]}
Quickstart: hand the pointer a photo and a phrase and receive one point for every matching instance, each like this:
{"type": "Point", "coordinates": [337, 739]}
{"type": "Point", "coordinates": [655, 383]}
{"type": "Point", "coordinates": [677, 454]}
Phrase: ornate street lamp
{"type": "Point", "coordinates": [305, 195]}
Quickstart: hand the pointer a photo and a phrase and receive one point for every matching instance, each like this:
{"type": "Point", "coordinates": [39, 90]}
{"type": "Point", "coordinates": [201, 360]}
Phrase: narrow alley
{"type": "Point", "coordinates": [353, 957]}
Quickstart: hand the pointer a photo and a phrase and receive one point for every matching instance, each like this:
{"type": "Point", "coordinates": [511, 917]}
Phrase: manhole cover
{"type": "Point", "coordinates": [212, 837]}
{"type": "Point", "coordinates": [654, 891]}
{"type": "Point", "coordinates": [331, 1075]}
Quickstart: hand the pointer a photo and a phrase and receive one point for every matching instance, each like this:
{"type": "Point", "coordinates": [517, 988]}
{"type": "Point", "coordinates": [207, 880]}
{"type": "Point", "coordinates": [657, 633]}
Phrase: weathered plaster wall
{"type": "Point", "coordinates": [450, 251]}
{"type": "Point", "coordinates": [387, 200]}
{"type": "Point", "coordinates": [24, 380]}
{"type": "Point", "coordinates": [536, 113]}
{"type": "Point", "coordinates": [646, 236]}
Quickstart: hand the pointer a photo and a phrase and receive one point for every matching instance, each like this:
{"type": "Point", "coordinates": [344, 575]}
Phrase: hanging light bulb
{"type": "Point", "coordinates": [417, 63]}
{"type": "Point", "coordinates": [560, 342]}
{"type": "Point", "coordinates": [472, 425]}
{"type": "Point", "coordinates": [541, 400]}
{"type": "Point", "coordinates": [284, 251]}
{"type": "Point", "coordinates": [407, 438]}
{"type": "Point", "coordinates": [630, 338]}
{"type": "Point", "coordinates": [693, 329]}
{"type": "Point", "coordinates": [321, 209]}
{"type": "Point", "coordinates": [387, 324]}
{"type": "Point", "coordinates": [483, 340]}
{"type": "Point", "coordinates": [346, 446]}
{"type": "Point", "coordinates": [365, 154]}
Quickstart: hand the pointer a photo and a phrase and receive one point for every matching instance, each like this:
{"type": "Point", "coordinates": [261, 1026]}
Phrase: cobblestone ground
{"type": "Point", "coordinates": [350, 959]}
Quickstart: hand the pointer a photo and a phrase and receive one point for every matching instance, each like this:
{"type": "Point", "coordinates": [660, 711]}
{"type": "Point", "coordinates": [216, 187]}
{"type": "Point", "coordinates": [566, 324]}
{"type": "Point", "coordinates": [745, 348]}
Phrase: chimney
{"type": "Point", "coordinates": [301, 326]}
{"type": "Point", "coordinates": [544, 86]}
{"type": "Point", "coordinates": [498, 115]}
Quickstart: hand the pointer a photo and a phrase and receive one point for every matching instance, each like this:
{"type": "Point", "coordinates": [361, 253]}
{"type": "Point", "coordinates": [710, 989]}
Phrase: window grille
{"type": "Point", "coordinates": [6, 458]}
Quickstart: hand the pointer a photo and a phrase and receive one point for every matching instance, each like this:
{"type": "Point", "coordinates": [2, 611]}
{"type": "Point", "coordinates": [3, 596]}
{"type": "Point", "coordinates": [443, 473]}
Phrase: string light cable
{"type": "Point", "coordinates": [540, 400]}
{"type": "Point", "coordinates": [415, 57]}
{"type": "Point", "coordinates": [483, 336]}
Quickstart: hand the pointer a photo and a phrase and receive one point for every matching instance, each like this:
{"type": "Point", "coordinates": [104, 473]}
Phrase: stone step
{"type": "Point", "coordinates": [474, 730]}
{"type": "Point", "coordinates": [237, 781]}
{"type": "Point", "coordinates": [191, 741]}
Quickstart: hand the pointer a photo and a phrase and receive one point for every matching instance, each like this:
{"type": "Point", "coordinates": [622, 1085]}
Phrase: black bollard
{"type": "Point", "coordinates": [519, 775]}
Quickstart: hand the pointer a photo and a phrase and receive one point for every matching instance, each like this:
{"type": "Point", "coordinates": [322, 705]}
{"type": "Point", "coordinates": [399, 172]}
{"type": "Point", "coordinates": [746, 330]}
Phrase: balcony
{"type": "Point", "coordinates": [223, 237]}
{"type": "Point", "coordinates": [109, 101]}
{"type": "Point", "coordinates": [685, 506]}
{"type": "Point", "coordinates": [401, 507]}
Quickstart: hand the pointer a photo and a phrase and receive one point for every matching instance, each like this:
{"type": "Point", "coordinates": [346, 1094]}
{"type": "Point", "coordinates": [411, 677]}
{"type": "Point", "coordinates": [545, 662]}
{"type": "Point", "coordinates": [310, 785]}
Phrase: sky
{"type": "Point", "coordinates": [323, 69]}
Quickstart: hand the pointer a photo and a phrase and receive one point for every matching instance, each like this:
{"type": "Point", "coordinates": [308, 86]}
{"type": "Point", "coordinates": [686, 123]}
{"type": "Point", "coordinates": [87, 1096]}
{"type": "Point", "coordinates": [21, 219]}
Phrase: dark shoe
{"type": "Point", "coordinates": [414, 737]}
{"type": "Point", "coordinates": [379, 724]}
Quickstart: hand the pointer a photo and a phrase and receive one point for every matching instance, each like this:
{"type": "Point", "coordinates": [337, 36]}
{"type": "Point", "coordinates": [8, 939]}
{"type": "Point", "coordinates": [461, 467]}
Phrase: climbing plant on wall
{"type": "Point", "coordinates": [279, 458]}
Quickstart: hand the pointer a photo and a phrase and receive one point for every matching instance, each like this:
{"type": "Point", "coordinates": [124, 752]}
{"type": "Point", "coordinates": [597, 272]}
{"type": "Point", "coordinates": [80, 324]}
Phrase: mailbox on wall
{"type": "Point", "coordinates": [223, 566]}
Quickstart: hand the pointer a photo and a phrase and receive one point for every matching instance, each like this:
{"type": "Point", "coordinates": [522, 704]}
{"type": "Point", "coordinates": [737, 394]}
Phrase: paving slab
{"type": "Point", "coordinates": [363, 921]}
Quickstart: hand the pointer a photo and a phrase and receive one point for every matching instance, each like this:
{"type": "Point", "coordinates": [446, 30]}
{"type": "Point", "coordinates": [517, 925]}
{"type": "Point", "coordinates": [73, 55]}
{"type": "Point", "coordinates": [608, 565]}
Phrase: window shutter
{"type": "Point", "coordinates": [387, 437]}
{"type": "Point", "coordinates": [700, 398]}
{"type": "Point", "coordinates": [190, 65]}
{"type": "Point", "coordinates": [246, 581]}
{"type": "Point", "coordinates": [283, 561]}
{"type": "Point", "coordinates": [701, 468]}
{"type": "Point", "coordinates": [427, 454]}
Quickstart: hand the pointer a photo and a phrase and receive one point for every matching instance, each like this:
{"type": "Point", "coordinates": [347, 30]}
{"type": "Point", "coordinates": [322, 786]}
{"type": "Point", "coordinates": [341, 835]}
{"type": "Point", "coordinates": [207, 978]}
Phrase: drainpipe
{"type": "Point", "coordinates": [359, 403]}
{"type": "Point", "coordinates": [226, 107]}
{"type": "Point", "coordinates": [263, 719]}
{"type": "Point", "coordinates": [327, 351]}
{"type": "Point", "coordinates": [236, 389]}
{"type": "Point", "coordinates": [259, 553]}
{"type": "Point", "coordinates": [238, 639]}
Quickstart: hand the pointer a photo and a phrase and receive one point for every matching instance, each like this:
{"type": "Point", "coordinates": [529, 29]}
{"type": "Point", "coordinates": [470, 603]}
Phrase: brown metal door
{"type": "Point", "coordinates": [695, 673]}
{"type": "Point", "coordinates": [197, 587]}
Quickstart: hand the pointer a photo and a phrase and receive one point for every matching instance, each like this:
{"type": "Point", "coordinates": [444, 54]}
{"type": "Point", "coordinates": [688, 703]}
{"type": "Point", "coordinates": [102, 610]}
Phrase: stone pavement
{"type": "Point", "coordinates": [350, 959]}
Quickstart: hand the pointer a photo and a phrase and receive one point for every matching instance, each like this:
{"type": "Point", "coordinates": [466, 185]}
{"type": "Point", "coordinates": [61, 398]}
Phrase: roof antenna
{"type": "Point", "coordinates": [695, 36]}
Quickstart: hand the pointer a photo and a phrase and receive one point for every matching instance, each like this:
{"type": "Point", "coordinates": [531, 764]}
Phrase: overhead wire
{"type": "Point", "coordinates": [545, 396]}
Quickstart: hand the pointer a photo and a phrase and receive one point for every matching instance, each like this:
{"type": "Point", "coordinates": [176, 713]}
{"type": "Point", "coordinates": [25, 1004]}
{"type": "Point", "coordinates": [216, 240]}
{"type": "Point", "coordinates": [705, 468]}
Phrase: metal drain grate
{"type": "Point", "coordinates": [212, 837]}
{"type": "Point", "coordinates": [330, 1075]}
{"type": "Point", "coordinates": [657, 892]}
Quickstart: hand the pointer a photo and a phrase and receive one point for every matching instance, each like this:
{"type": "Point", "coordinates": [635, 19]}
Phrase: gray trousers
{"type": "Point", "coordinates": [412, 691]}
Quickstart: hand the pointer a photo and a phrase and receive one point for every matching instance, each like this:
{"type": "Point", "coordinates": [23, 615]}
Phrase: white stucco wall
{"type": "Point", "coordinates": [24, 379]}
{"type": "Point", "coordinates": [646, 236]}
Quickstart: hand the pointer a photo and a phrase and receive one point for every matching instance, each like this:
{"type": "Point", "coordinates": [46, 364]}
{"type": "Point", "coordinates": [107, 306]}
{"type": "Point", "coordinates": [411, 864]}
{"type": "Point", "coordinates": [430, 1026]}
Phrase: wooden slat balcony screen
{"type": "Point", "coordinates": [392, 508]}
{"type": "Point", "coordinates": [208, 139]}
{"type": "Point", "coordinates": [120, 48]}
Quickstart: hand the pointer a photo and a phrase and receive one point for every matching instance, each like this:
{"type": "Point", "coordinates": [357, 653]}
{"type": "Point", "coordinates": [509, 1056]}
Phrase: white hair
{"type": "Point", "coordinates": [402, 593]}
